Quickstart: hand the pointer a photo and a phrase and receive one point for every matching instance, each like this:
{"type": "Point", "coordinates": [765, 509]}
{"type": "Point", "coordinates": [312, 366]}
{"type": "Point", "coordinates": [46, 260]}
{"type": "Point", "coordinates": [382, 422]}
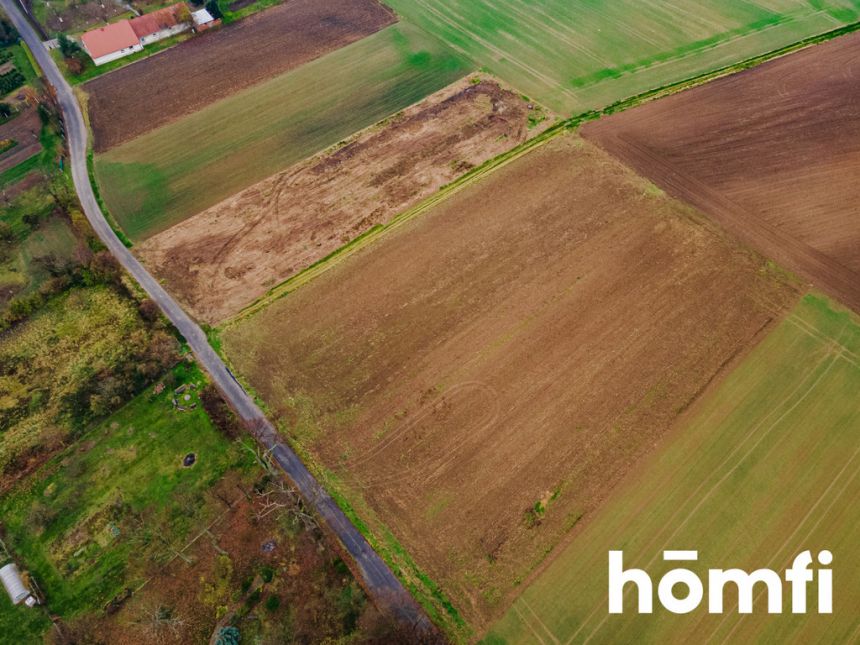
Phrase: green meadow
{"type": "Point", "coordinates": [88, 523]}
{"type": "Point", "coordinates": [166, 175]}
{"type": "Point", "coordinates": [578, 55]}
{"type": "Point", "coordinates": [766, 466]}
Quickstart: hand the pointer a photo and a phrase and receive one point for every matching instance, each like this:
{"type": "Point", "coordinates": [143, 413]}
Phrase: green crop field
{"type": "Point", "coordinates": [580, 55]}
{"type": "Point", "coordinates": [766, 467]}
{"type": "Point", "coordinates": [182, 168]}
{"type": "Point", "coordinates": [89, 522]}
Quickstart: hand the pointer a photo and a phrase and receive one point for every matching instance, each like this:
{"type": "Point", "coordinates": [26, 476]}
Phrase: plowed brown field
{"type": "Point", "coordinates": [24, 129]}
{"type": "Point", "coordinates": [479, 379]}
{"type": "Point", "coordinates": [773, 153]}
{"type": "Point", "coordinates": [227, 256]}
{"type": "Point", "coordinates": [140, 97]}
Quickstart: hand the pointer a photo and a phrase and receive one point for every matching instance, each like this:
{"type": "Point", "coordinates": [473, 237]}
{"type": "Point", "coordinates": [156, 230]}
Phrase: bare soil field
{"type": "Point", "coordinates": [772, 153]}
{"type": "Point", "coordinates": [218, 63]}
{"type": "Point", "coordinates": [274, 229]}
{"type": "Point", "coordinates": [24, 129]}
{"type": "Point", "coordinates": [478, 380]}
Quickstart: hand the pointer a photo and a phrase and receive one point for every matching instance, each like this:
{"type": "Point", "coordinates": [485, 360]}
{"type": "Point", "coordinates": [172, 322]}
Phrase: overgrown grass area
{"type": "Point", "coordinates": [764, 468]}
{"type": "Point", "coordinates": [182, 168]}
{"type": "Point", "coordinates": [74, 358]}
{"type": "Point", "coordinates": [104, 513]}
{"type": "Point", "coordinates": [576, 56]}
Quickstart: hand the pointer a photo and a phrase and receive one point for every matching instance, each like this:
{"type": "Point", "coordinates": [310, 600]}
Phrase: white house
{"type": "Point", "coordinates": [111, 42]}
{"type": "Point", "coordinates": [161, 24]}
{"type": "Point", "coordinates": [128, 36]}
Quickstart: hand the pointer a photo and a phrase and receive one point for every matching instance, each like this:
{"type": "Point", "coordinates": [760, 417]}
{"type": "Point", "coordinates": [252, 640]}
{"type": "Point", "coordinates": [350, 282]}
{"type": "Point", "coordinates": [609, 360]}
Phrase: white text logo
{"type": "Point", "coordinates": [799, 576]}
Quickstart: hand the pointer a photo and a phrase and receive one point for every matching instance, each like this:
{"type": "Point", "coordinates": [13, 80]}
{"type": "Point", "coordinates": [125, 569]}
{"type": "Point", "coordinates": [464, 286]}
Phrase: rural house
{"type": "Point", "coordinates": [204, 20]}
{"type": "Point", "coordinates": [111, 42]}
{"type": "Point", "coordinates": [161, 24]}
{"type": "Point", "coordinates": [128, 36]}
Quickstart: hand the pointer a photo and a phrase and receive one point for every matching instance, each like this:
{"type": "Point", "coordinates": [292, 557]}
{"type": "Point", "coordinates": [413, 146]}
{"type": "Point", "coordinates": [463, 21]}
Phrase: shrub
{"type": "Point", "coordinates": [272, 603]}
{"type": "Point", "coordinates": [220, 413]}
{"type": "Point", "coordinates": [213, 8]}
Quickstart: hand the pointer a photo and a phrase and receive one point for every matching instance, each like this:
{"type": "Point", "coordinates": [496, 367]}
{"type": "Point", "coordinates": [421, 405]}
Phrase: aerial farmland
{"type": "Point", "coordinates": [383, 321]}
{"type": "Point", "coordinates": [271, 231]}
{"type": "Point", "coordinates": [159, 178]}
{"type": "Point", "coordinates": [779, 433]}
{"type": "Point", "coordinates": [200, 71]}
{"type": "Point", "coordinates": [762, 173]}
{"type": "Point", "coordinates": [407, 387]}
{"type": "Point", "coordinates": [575, 56]}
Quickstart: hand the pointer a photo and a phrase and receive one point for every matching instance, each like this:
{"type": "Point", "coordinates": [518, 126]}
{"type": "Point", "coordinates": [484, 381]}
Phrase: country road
{"type": "Point", "coordinates": [375, 575]}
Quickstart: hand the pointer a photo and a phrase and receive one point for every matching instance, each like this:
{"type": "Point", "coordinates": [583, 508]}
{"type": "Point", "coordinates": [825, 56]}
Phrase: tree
{"type": "Point", "coordinates": [8, 35]}
{"type": "Point", "coordinates": [68, 47]}
{"type": "Point", "coordinates": [213, 8]}
{"type": "Point", "coordinates": [6, 232]}
{"type": "Point", "coordinates": [227, 636]}
{"type": "Point", "coordinates": [182, 13]}
{"type": "Point", "coordinates": [5, 110]}
{"type": "Point", "coordinates": [149, 311]}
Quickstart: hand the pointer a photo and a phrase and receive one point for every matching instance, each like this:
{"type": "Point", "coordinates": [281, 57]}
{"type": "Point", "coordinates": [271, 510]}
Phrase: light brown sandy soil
{"type": "Point", "coordinates": [527, 340]}
{"type": "Point", "coordinates": [772, 153]}
{"type": "Point", "coordinates": [227, 256]}
{"type": "Point", "coordinates": [149, 93]}
{"type": "Point", "coordinates": [24, 129]}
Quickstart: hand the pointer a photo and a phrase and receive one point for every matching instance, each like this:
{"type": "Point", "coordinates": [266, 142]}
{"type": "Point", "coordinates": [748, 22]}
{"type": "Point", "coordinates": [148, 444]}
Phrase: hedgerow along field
{"type": "Point", "coordinates": [772, 153]}
{"type": "Point", "coordinates": [763, 468]}
{"type": "Point", "coordinates": [581, 55]}
{"type": "Point", "coordinates": [474, 383]}
{"type": "Point", "coordinates": [195, 162]}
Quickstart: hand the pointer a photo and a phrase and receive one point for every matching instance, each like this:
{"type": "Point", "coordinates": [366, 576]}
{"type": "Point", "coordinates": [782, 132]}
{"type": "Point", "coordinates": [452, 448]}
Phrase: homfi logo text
{"type": "Point", "coordinates": [682, 590]}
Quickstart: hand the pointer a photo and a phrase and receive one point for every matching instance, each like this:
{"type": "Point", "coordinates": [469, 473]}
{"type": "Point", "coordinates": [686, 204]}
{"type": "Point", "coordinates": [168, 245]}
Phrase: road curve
{"type": "Point", "coordinates": [375, 575]}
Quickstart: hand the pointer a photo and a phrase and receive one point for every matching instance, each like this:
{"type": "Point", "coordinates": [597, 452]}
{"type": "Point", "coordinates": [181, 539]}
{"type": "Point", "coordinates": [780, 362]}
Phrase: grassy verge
{"type": "Point", "coordinates": [233, 16]}
{"type": "Point", "coordinates": [26, 63]}
{"type": "Point", "coordinates": [115, 227]}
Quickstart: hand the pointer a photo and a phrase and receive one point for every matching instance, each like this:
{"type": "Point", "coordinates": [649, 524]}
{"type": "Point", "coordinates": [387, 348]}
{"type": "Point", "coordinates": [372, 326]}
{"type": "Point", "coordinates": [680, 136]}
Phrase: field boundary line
{"type": "Point", "coordinates": [376, 232]}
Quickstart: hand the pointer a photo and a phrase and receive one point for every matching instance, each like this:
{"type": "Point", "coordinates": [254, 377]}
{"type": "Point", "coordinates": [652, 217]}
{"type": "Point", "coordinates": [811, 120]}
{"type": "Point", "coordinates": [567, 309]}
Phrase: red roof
{"type": "Point", "coordinates": [150, 23]}
{"type": "Point", "coordinates": [109, 39]}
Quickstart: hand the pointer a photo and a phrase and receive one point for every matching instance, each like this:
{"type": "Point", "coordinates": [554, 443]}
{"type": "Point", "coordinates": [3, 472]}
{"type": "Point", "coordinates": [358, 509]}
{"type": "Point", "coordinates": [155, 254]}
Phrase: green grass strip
{"type": "Point", "coordinates": [108, 217]}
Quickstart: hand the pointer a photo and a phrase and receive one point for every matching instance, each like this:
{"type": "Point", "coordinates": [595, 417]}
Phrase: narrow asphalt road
{"type": "Point", "coordinates": [377, 578]}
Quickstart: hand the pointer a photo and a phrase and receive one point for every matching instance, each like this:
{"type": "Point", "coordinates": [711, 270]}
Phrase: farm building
{"type": "Point", "coordinates": [15, 586]}
{"type": "Point", "coordinates": [161, 24]}
{"type": "Point", "coordinates": [203, 20]}
{"type": "Point", "coordinates": [129, 36]}
{"type": "Point", "coordinates": [111, 42]}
